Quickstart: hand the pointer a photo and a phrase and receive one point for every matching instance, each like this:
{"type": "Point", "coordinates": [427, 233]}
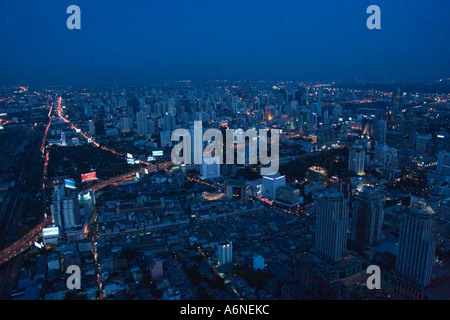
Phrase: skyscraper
{"type": "Point", "coordinates": [91, 126]}
{"type": "Point", "coordinates": [367, 219]}
{"type": "Point", "coordinates": [270, 184]}
{"type": "Point", "coordinates": [417, 245]}
{"type": "Point", "coordinates": [423, 144]}
{"type": "Point", "coordinates": [124, 124]}
{"type": "Point", "coordinates": [380, 132]}
{"type": "Point", "coordinates": [444, 163]}
{"type": "Point", "coordinates": [258, 262]}
{"type": "Point", "coordinates": [71, 210]}
{"type": "Point", "coordinates": [55, 206]}
{"type": "Point", "coordinates": [225, 252]}
{"type": "Point", "coordinates": [63, 139]}
{"type": "Point", "coordinates": [356, 159]}
{"type": "Point", "coordinates": [390, 161]}
{"type": "Point", "coordinates": [142, 123]}
{"type": "Point", "coordinates": [331, 209]}
{"type": "Point", "coordinates": [210, 171]}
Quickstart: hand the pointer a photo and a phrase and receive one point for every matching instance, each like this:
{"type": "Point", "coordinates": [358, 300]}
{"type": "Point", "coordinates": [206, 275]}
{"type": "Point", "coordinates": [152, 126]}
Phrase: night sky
{"type": "Point", "coordinates": [139, 41]}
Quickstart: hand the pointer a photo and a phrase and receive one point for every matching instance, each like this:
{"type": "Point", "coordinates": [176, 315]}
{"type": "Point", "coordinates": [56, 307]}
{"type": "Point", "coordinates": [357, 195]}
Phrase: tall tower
{"type": "Point", "coordinates": [417, 245]}
{"type": "Point", "coordinates": [142, 123]}
{"type": "Point", "coordinates": [225, 252]}
{"type": "Point", "coordinates": [367, 219]}
{"type": "Point", "coordinates": [356, 159]}
{"type": "Point", "coordinates": [380, 132]}
{"type": "Point", "coordinates": [209, 171]}
{"type": "Point", "coordinates": [331, 210]}
{"type": "Point", "coordinates": [444, 163]}
{"type": "Point", "coordinates": [70, 210]}
{"type": "Point", "coordinates": [91, 126]}
{"type": "Point", "coordinates": [63, 139]}
{"type": "Point", "coordinates": [55, 206]}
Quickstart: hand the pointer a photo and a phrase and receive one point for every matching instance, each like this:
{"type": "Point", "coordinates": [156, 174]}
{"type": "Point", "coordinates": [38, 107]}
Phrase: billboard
{"type": "Point", "coordinates": [52, 231]}
{"type": "Point", "coordinates": [70, 184]}
{"type": "Point", "coordinates": [157, 153]}
{"type": "Point", "coordinates": [130, 161]}
{"type": "Point", "coordinates": [129, 156]}
{"type": "Point", "coordinates": [85, 177]}
{"type": "Point", "coordinates": [150, 159]}
{"type": "Point", "coordinates": [50, 235]}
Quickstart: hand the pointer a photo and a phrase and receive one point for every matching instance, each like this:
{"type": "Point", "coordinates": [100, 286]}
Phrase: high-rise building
{"type": "Point", "coordinates": [55, 206]}
{"type": "Point", "coordinates": [124, 124]}
{"type": "Point", "coordinates": [317, 174]}
{"type": "Point", "coordinates": [142, 123]}
{"type": "Point", "coordinates": [258, 262]}
{"type": "Point", "coordinates": [423, 145]}
{"type": "Point", "coordinates": [390, 161]}
{"type": "Point", "coordinates": [270, 184]}
{"type": "Point", "coordinates": [442, 141]}
{"type": "Point", "coordinates": [443, 165]}
{"type": "Point", "coordinates": [417, 245]}
{"type": "Point", "coordinates": [380, 129]}
{"type": "Point", "coordinates": [367, 219]}
{"type": "Point", "coordinates": [210, 171]}
{"type": "Point", "coordinates": [70, 210]}
{"type": "Point", "coordinates": [331, 209]}
{"type": "Point", "coordinates": [368, 125]}
{"type": "Point", "coordinates": [356, 159]}
{"type": "Point", "coordinates": [91, 126]}
{"type": "Point", "coordinates": [224, 252]}
{"type": "Point", "coordinates": [269, 113]}
{"type": "Point", "coordinates": [63, 139]}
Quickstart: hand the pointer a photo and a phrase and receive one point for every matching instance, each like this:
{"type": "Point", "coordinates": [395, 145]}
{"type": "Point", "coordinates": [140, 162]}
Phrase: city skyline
{"type": "Point", "coordinates": [245, 152]}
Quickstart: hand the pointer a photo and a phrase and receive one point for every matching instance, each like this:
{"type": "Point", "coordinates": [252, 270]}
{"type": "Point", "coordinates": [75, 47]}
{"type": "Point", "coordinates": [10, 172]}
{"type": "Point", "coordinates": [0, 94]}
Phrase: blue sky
{"type": "Point", "coordinates": [141, 41]}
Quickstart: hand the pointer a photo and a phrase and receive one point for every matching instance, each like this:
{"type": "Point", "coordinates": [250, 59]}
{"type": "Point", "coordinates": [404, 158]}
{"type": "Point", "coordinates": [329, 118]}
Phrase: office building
{"type": "Point", "coordinates": [209, 171]}
{"type": "Point", "coordinates": [224, 252]}
{"type": "Point", "coordinates": [417, 245]}
{"type": "Point", "coordinates": [380, 130]}
{"type": "Point", "coordinates": [70, 210]}
{"type": "Point", "coordinates": [443, 165]}
{"type": "Point", "coordinates": [258, 262]}
{"type": "Point", "coordinates": [367, 219]}
{"type": "Point", "coordinates": [91, 127]}
{"type": "Point", "coordinates": [356, 160]}
{"type": "Point", "coordinates": [331, 210]}
{"type": "Point", "coordinates": [270, 184]}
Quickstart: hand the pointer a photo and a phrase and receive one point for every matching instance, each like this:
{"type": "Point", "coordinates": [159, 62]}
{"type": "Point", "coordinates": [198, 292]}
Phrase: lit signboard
{"type": "Point", "coordinates": [70, 184]}
{"type": "Point", "coordinates": [50, 235]}
{"type": "Point", "coordinates": [130, 161]}
{"type": "Point", "coordinates": [89, 176]}
{"type": "Point", "coordinates": [49, 232]}
{"type": "Point", "coordinates": [129, 156]}
{"type": "Point", "coordinates": [157, 153]}
{"type": "Point", "coordinates": [150, 159]}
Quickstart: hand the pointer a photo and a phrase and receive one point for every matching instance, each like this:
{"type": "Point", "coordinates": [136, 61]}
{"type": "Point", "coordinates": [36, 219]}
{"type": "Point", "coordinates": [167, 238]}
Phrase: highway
{"type": "Point", "coordinates": [28, 240]}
